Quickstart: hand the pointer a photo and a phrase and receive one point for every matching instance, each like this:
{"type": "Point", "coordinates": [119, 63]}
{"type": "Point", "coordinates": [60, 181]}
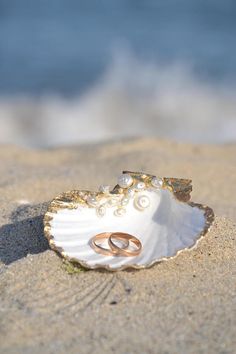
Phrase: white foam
{"type": "Point", "coordinates": [132, 98]}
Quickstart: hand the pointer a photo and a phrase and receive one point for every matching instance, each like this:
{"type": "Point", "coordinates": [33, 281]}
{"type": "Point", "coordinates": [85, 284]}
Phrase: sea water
{"type": "Point", "coordinates": [84, 71]}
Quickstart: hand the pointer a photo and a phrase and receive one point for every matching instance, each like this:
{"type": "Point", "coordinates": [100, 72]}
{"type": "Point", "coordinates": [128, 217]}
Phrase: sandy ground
{"type": "Point", "coordinates": [184, 305]}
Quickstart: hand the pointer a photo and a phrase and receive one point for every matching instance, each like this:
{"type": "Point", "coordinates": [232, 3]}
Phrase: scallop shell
{"type": "Point", "coordinates": [159, 214]}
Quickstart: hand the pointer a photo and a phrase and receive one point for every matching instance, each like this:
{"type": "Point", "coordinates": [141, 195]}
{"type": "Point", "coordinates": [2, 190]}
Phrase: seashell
{"type": "Point", "coordinates": [104, 189]}
{"type": "Point", "coordinates": [130, 192]}
{"type": "Point", "coordinates": [142, 202]}
{"type": "Point", "coordinates": [112, 201]}
{"type": "Point", "coordinates": [120, 212]}
{"type": "Point", "coordinates": [156, 182]}
{"type": "Point", "coordinates": [139, 186]}
{"type": "Point", "coordinates": [162, 219]}
{"type": "Point", "coordinates": [101, 210]}
{"type": "Point", "coordinates": [92, 201]}
{"type": "Point", "coordinates": [124, 201]}
{"type": "Point", "coordinates": [125, 180]}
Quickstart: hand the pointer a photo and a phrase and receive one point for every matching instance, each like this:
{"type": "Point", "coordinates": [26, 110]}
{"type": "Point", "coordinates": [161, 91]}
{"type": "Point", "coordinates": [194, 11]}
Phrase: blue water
{"type": "Point", "coordinates": [75, 71]}
{"type": "Point", "coordinates": [64, 46]}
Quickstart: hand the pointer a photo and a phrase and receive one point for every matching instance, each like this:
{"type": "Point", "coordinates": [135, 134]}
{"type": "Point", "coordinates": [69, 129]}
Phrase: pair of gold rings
{"type": "Point", "coordinates": [120, 244]}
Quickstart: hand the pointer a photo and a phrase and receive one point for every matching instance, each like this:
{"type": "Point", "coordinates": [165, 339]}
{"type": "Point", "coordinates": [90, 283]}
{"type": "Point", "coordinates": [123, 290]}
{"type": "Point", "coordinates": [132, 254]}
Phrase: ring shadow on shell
{"type": "Point", "coordinates": [24, 235]}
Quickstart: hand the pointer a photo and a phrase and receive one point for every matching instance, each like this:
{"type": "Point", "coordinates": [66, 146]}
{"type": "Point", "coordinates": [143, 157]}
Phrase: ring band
{"type": "Point", "coordinates": [105, 251]}
{"type": "Point", "coordinates": [124, 251]}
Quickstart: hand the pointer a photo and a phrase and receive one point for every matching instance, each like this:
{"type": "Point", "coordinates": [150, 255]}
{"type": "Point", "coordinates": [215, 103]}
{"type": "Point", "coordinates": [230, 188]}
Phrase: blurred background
{"type": "Point", "coordinates": [86, 71]}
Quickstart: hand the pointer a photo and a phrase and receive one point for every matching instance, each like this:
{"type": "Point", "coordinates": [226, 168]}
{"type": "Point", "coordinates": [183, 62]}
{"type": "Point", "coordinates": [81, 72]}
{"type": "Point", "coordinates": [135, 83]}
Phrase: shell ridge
{"type": "Point", "coordinates": [175, 225]}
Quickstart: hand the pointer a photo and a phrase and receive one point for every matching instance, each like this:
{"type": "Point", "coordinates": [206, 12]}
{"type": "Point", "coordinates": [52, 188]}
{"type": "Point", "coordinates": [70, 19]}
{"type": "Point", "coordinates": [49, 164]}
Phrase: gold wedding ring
{"type": "Point", "coordinates": [115, 250]}
{"type": "Point", "coordinates": [126, 252]}
{"type": "Point", "coordinates": [102, 250]}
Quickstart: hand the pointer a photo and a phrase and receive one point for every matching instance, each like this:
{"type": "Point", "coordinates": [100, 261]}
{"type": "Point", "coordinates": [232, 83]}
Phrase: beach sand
{"type": "Point", "coordinates": [184, 305]}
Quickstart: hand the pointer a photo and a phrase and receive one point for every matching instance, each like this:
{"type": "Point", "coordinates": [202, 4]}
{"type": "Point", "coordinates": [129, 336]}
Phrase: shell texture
{"type": "Point", "coordinates": [155, 210]}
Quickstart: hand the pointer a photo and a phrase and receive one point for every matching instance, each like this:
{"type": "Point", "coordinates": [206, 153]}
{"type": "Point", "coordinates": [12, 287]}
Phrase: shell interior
{"type": "Point", "coordinates": [151, 212]}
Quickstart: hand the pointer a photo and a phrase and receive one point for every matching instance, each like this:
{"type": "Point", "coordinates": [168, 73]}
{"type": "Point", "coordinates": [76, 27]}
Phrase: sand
{"type": "Point", "coordinates": [184, 305]}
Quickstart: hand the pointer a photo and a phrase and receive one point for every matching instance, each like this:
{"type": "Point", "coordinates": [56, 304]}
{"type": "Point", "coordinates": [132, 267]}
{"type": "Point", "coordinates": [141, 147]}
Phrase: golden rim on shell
{"type": "Point", "coordinates": [179, 187]}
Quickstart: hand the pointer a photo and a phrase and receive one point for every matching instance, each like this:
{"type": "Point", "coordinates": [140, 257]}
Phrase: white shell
{"type": "Point", "coordinates": [104, 189]}
{"type": "Point", "coordinates": [125, 180]}
{"type": "Point", "coordinates": [156, 182]}
{"type": "Point", "coordinates": [139, 186]}
{"type": "Point", "coordinates": [142, 201]}
{"type": "Point", "coordinates": [163, 224]}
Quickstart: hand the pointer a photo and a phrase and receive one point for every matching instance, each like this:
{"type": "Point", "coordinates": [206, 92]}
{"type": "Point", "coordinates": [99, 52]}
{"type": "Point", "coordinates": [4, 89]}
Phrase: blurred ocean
{"type": "Point", "coordinates": [83, 71]}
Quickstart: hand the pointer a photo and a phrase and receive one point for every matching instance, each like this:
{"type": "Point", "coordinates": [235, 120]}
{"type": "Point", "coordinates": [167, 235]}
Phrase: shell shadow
{"type": "Point", "coordinates": [24, 235]}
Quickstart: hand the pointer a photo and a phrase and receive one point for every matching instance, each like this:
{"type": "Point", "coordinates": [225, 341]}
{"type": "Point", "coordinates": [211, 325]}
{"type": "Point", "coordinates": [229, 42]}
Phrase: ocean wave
{"type": "Point", "coordinates": [132, 98]}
